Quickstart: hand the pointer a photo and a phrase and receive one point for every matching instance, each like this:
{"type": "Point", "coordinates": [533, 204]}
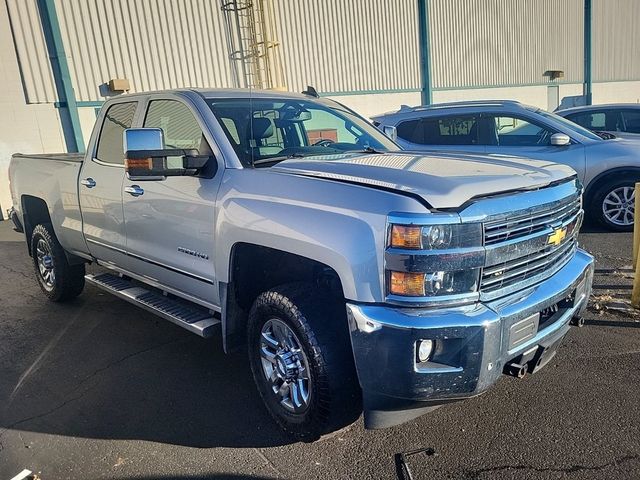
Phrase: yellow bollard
{"type": "Point", "coordinates": [635, 293]}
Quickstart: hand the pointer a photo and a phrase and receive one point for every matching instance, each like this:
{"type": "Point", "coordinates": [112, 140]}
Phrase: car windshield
{"type": "Point", "coordinates": [569, 124]}
{"type": "Point", "coordinates": [265, 131]}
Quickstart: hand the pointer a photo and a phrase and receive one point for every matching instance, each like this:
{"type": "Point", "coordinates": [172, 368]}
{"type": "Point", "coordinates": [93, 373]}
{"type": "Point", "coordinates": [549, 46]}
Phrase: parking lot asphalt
{"type": "Point", "coordinates": [100, 389]}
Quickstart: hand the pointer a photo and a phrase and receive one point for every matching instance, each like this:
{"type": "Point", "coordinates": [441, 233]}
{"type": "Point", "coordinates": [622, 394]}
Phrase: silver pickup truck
{"type": "Point", "coordinates": [356, 276]}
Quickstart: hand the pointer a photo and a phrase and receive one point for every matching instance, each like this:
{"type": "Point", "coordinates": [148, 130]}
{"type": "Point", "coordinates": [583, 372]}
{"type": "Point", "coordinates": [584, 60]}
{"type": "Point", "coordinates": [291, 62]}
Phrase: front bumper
{"type": "Point", "coordinates": [473, 343]}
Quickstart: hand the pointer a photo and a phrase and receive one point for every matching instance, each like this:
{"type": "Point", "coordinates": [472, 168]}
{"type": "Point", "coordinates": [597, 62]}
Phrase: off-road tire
{"type": "Point", "coordinates": [69, 279]}
{"type": "Point", "coordinates": [319, 321]}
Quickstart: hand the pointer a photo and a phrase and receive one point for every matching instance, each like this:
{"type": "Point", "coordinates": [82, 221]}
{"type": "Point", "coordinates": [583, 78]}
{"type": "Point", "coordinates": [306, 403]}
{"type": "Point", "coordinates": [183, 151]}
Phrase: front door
{"type": "Point", "coordinates": [515, 135]}
{"type": "Point", "coordinates": [100, 187]}
{"type": "Point", "coordinates": [170, 223]}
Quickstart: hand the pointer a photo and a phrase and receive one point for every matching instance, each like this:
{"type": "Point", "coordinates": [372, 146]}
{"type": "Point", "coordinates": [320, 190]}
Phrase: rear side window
{"type": "Point", "coordinates": [631, 120]}
{"type": "Point", "coordinates": [118, 118]}
{"type": "Point", "coordinates": [462, 130]}
{"type": "Point", "coordinates": [597, 120]}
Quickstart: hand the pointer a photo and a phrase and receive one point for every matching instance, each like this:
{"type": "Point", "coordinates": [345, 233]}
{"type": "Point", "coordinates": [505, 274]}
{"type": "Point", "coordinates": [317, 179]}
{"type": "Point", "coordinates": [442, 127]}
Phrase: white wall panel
{"type": "Point", "coordinates": [33, 58]}
{"type": "Point", "coordinates": [504, 42]}
{"type": "Point", "coordinates": [616, 40]}
{"type": "Point", "coordinates": [354, 45]}
{"type": "Point", "coordinates": [156, 44]}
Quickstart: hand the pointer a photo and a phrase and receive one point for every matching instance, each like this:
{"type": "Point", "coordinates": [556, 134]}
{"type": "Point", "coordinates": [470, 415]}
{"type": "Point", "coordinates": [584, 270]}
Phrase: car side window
{"type": "Point", "coordinates": [180, 127]}
{"type": "Point", "coordinates": [597, 120]}
{"type": "Point", "coordinates": [517, 132]}
{"type": "Point", "coordinates": [631, 120]}
{"type": "Point", "coordinates": [118, 118]}
{"type": "Point", "coordinates": [460, 130]}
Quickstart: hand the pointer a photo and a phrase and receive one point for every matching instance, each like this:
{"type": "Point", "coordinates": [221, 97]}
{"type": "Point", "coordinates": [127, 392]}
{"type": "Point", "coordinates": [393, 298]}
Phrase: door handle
{"type": "Point", "coordinates": [134, 190]}
{"type": "Point", "coordinates": [88, 182]}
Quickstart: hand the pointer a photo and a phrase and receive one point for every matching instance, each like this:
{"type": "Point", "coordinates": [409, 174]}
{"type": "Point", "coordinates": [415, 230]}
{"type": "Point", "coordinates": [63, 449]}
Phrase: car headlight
{"type": "Point", "coordinates": [455, 248]}
{"type": "Point", "coordinates": [435, 237]}
{"type": "Point", "coordinates": [431, 284]}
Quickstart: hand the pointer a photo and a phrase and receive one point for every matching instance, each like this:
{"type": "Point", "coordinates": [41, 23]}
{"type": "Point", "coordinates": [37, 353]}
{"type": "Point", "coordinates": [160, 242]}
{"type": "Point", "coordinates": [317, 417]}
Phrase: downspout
{"type": "Point", "coordinates": [67, 100]}
{"type": "Point", "coordinates": [587, 52]}
{"type": "Point", "coordinates": [425, 59]}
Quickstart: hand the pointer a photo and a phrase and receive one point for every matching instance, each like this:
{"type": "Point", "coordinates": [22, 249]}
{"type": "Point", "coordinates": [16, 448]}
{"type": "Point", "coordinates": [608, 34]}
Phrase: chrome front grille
{"type": "Point", "coordinates": [521, 250]}
{"type": "Point", "coordinates": [544, 262]}
{"type": "Point", "coordinates": [522, 225]}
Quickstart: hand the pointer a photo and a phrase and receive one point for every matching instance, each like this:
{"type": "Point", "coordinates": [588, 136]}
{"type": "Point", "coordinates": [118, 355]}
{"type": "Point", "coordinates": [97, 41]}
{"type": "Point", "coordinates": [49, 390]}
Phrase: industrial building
{"type": "Point", "coordinates": [60, 59]}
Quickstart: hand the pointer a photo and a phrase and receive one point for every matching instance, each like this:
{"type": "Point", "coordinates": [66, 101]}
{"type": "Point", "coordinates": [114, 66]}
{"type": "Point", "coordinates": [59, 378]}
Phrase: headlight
{"type": "Point", "coordinates": [436, 237]}
{"type": "Point", "coordinates": [414, 284]}
{"type": "Point", "coordinates": [439, 260]}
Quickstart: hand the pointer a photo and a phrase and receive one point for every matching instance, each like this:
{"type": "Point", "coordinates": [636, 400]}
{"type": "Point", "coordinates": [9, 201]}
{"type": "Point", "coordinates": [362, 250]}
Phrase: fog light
{"type": "Point", "coordinates": [425, 347]}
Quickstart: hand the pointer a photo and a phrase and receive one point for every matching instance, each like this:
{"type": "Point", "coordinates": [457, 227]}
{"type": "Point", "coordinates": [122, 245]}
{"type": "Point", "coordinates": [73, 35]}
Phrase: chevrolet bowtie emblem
{"type": "Point", "coordinates": [557, 236]}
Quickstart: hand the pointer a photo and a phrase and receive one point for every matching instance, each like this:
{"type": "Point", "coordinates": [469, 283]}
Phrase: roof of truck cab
{"type": "Point", "coordinates": [211, 93]}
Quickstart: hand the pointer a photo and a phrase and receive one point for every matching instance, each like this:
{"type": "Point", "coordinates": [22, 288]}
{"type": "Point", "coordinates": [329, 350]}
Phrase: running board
{"type": "Point", "coordinates": [194, 318]}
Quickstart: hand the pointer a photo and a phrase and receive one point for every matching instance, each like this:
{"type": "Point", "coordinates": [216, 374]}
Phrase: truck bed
{"type": "Point", "coordinates": [52, 178]}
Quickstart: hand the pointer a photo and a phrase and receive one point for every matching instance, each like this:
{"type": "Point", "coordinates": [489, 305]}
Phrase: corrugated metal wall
{"type": "Point", "coordinates": [33, 58]}
{"type": "Point", "coordinates": [616, 40]}
{"type": "Point", "coordinates": [504, 42]}
{"type": "Point", "coordinates": [333, 45]}
{"type": "Point", "coordinates": [156, 44]}
{"type": "Point", "coordinates": [338, 45]}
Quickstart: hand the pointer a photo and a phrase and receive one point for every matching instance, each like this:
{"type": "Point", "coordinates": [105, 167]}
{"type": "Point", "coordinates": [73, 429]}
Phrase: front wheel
{"type": "Point", "coordinates": [613, 205]}
{"type": "Point", "coordinates": [58, 280]}
{"type": "Point", "coordinates": [301, 360]}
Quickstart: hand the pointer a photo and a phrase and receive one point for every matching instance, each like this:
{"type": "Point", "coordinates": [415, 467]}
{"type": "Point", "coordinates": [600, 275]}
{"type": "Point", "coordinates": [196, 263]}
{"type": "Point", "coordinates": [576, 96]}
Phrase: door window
{"type": "Point", "coordinates": [631, 120]}
{"type": "Point", "coordinates": [118, 118]}
{"type": "Point", "coordinates": [462, 130]}
{"type": "Point", "coordinates": [516, 132]}
{"type": "Point", "coordinates": [597, 120]}
{"type": "Point", "coordinates": [180, 127]}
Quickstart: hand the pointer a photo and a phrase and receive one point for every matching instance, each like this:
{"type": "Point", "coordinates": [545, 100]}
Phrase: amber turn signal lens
{"type": "Point", "coordinates": [139, 163]}
{"type": "Point", "coordinates": [403, 236]}
{"type": "Point", "coordinates": [407, 284]}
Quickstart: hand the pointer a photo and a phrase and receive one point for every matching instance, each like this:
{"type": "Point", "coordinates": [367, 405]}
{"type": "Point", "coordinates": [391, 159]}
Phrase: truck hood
{"type": "Point", "coordinates": [443, 180]}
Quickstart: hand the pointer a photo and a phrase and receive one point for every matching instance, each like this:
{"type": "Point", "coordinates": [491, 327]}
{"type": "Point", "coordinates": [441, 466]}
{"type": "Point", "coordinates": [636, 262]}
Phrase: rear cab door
{"type": "Point", "coordinates": [100, 182]}
{"type": "Point", "coordinates": [170, 221]}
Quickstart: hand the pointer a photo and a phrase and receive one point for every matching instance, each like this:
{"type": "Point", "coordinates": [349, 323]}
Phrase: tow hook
{"type": "Point", "coordinates": [578, 322]}
{"type": "Point", "coordinates": [515, 369]}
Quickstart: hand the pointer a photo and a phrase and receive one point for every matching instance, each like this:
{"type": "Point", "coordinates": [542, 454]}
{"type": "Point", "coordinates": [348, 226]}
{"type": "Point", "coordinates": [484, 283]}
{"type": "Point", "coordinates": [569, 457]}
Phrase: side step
{"type": "Point", "coordinates": [192, 317]}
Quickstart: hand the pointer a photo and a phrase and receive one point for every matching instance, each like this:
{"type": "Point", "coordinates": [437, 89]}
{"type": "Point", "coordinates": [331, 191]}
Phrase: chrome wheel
{"type": "Point", "coordinates": [618, 206]}
{"type": "Point", "coordinates": [285, 366]}
{"type": "Point", "coordinates": [45, 264]}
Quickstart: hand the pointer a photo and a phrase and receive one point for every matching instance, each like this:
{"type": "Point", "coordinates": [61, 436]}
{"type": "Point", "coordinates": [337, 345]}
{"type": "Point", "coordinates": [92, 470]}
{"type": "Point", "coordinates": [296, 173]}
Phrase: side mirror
{"type": "Point", "coordinates": [147, 159]}
{"type": "Point", "coordinates": [391, 132]}
{"type": "Point", "coordinates": [560, 139]}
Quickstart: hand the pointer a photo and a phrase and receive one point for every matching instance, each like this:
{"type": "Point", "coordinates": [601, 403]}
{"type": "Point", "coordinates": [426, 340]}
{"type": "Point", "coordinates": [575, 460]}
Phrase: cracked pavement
{"type": "Point", "coordinates": [99, 389]}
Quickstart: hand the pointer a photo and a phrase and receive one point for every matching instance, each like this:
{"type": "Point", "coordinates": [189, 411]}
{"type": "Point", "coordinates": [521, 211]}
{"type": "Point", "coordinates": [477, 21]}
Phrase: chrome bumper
{"type": "Point", "coordinates": [473, 342]}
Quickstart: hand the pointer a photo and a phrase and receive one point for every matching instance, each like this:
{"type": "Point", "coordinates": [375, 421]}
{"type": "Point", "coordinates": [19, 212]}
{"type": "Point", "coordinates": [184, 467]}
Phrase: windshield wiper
{"type": "Point", "coordinates": [261, 161]}
{"type": "Point", "coordinates": [604, 135]}
{"type": "Point", "coordinates": [369, 149]}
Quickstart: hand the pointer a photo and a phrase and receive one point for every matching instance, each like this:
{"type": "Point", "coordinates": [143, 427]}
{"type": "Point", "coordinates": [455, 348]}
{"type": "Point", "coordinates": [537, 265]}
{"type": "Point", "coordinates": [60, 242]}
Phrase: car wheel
{"type": "Point", "coordinates": [613, 205]}
{"type": "Point", "coordinates": [59, 280]}
{"type": "Point", "coordinates": [301, 360]}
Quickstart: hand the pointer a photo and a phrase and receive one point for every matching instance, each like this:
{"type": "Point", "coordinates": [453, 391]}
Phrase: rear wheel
{"type": "Point", "coordinates": [301, 360]}
{"type": "Point", "coordinates": [613, 205]}
{"type": "Point", "coordinates": [58, 280]}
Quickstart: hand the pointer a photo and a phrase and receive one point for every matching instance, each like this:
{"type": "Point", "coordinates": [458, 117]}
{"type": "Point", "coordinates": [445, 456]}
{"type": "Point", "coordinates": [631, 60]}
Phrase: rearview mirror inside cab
{"type": "Point", "coordinates": [147, 159]}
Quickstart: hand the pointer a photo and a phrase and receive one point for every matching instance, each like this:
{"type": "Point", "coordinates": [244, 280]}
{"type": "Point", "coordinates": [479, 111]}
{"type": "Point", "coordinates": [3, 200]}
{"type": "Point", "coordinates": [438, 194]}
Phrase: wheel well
{"type": "Point", "coordinates": [34, 212]}
{"type": "Point", "coordinates": [255, 269]}
{"type": "Point", "coordinates": [601, 179]}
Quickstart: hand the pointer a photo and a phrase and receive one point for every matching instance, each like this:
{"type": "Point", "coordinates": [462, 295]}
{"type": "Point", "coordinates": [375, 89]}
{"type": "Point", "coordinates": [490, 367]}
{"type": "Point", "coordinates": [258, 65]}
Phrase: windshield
{"type": "Point", "coordinates": [569, 124]}
{"type": "Point", "coordinates": [264, 131]}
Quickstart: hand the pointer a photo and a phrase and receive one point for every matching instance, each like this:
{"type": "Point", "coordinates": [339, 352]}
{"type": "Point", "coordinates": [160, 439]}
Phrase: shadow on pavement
{"type": "Point", "coordinates": [101, 368]}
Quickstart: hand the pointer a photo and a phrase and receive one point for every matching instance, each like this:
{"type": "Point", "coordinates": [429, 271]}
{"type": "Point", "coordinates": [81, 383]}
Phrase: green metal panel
{"type": "Point", "coordinates": [69, 113]}
{"type": "Point", "coordinates": [425, 55]}
{"type": "Point", "coordinates": [588, 25]}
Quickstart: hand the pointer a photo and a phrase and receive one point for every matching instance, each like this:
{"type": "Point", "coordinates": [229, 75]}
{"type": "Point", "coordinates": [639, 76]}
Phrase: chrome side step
{"type": "Point", "coordinates": [189, 316]}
